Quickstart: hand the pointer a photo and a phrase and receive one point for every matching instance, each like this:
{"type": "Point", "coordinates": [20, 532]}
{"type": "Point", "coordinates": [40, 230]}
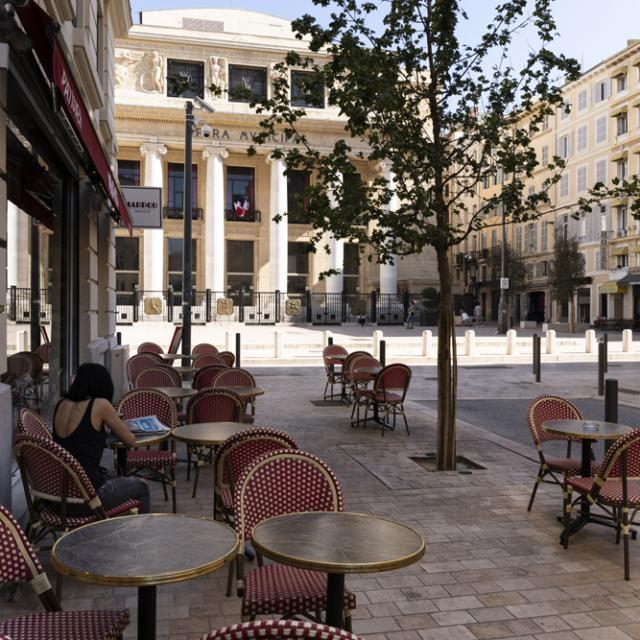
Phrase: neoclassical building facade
{"type": "Point", "coordinates": [236, 242]}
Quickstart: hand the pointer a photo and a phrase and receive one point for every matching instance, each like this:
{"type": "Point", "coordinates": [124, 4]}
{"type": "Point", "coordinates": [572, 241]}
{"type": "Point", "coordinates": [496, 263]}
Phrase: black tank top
{"type": "Point", "coordinates": [86, 445]}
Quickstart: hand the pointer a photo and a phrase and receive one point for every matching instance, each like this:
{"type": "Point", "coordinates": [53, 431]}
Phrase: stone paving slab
{"type": "Point", "coordinates": [491, 570]}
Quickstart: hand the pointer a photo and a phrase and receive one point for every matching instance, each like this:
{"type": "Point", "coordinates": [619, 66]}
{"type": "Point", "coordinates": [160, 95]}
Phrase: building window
{"type": "Point", "coordinates": [351, 269]}
{"type": "Point", "coordinates": [494, 239]}
{"type": "Point", "coordinates": [127, 263]}
{"type": "Point", "coordinates": [622, 123]}
{"type": "Point", "coordinates": [305, 92]}
{"type": "Point", "coordinates": [582, 100]}
{"type": "Point", "coordinates": [601, 130]}
{"type": "Point", "coordinates": [298, 267]}
{"type": "Point", "coordinates": [543, 237]}
{"type": "Point", "coordinates": [621, 169]}
{"type": "Point", "coordinates": [247, 84]}
{"type": "Point", "coordinates": [601, 91]}
{"type": "Point", "coordinates": [581, 180]}
{"type": "Point", "coordinates": [175, 192]}
{"type": "Point", "coordinates": [544, 155]}
{"type": "Point", "coordinates": [582, 137]}
{"type": "Point", "coordinates": [564, 110]}
{"type": "Point", "coordinates": [174, 264]}
{"type": "Point", "coordinates": [582, 228]}
{"type": "Point", "coordinates": [129, 173]}
{"type": "Point", "coordinates": [185, 79]}
{"type": "Point", "coordinates": [297, 201]}
{"type": "Point", "coordinates": [530, 238]}
{"type": "Point", "coordinates": [239, 266]}
{"type": "Point", "coordinates": [601, 171]}
{"type": "Point", "coordinates": [621, 221]}
{"type": "Point", "coordinates": [544, 125]}
{"type": "Point", "coordinates": [517, 241]}
{"type": "Point", "coordinates": [621, 82]}
{"type": "Point", "coordinates": [565, 143]}
{"type": "Point", "coordinates": [622, 261]}
{"type": "Point", "coordinates": [240, 199]}
{"type": "Point", "coordinates": [564, 185]}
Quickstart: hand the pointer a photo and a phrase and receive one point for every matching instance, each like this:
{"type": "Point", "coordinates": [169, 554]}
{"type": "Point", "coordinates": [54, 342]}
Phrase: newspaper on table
{"type": "Point", "coordinates": [146, 425]}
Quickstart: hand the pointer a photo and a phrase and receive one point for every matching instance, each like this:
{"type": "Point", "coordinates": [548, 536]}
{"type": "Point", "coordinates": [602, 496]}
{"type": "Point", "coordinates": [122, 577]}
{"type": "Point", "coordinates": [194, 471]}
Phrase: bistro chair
{"type": "Point", "coordinates": [387, 396]}
{"type": "Point", "coordinates": [541, 409]}
{"type": "Point", "coordinates": [161, 375]}
{"type": "Point", "coordinates": [208, 359]}
{"type": "Point", "coordinates": [334, 376]}
{"type": "Point", "coordinates": [43, 352]}
{"type": "Point", "coordinates": [211, 405]}
{"type": "Point", "coordinates": [345, 378]}
{"type": "Point", "coordinates": [176, 339]}
{"type": "Point", "coordinates": [202, 348]}
{"type": "Point", "coordinates": [23, 375]}
{"type": "Point", "coordinates": [615, 488]}
{"type": "Point", "coordinates": [150, 347]}
{"type": "Point", "coordinates": [279, 630]}
{"type": "Point", "coordinates": [205, 377]}
{"type": "Point", "coordinates": [230, 378]}
{"type": "Point", "coordinates": [228, 358]}
{"type": "Point", "coordinates": [31, 423]}
{"type": "Point", "coordinates": [140, 362]}
{"type": "Point", "coordinates": [153, 464]}
{"type": "Point", "coordinates": [281, 482]}
{"type": "Point", "coordinates": [19, 563]}
{"type": "Point", "coordinates": [360, 381]}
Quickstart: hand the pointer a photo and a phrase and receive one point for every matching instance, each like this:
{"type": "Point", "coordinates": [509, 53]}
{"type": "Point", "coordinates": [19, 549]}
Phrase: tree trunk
{"type": "Point", "coordinates": [446, 427]}
{"type": "Point", "coordinates": [572, 319]}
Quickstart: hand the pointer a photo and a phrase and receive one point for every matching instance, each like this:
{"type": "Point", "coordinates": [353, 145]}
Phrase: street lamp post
{"type": "Point", "coordinates": [187, 258]}
{"type": "Point", "coordinates": [502, 304]}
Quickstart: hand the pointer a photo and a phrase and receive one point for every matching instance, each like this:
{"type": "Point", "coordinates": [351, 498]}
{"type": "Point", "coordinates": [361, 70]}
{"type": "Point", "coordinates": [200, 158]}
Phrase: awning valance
{"type": "Point", "coordinates": [620, 251]}
{"type": "Point", "coordinates": [41, 30]}
{"type": "Point", "coordinates": [619, 202]}
{"type": "Point", "coordinates": [620, 71]}
{"type": "Point", "coordinates": [619, 155]}
{"type": "Point", "coordinates": [619, 110]}
{"type": "Point", "coordinates": [631, 278]}
{"type": "Point", "coordinates": [612, 286]}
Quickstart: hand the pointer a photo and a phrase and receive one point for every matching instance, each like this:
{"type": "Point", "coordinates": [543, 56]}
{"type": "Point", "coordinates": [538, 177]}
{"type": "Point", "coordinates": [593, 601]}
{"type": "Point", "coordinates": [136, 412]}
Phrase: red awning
{"type": "Point", "coordinates": [39, 27]}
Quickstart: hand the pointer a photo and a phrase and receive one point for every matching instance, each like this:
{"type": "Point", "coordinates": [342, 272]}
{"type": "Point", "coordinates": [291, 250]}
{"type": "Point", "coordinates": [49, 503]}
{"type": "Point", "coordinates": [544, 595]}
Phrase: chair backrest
{"type": "Point", "coordinates": [32, 423]}
{"type": "Point", "coordinates": [612, 466]}
{"type": "Point", "coordinates": [43, 351]}
{"type": "Point", "coordinates": [279, 630]}
{"type": "Point", "coordinates": [228, 358]}
{"type": "Point", "coordinates": [202, 348]}
{"type": "Point", "coordinates": [234, 378]}
{"type": "Point", "coordinates": [44, 334]}
{"type": "Point", "coordinates": [150, 347]}
{"type": "Point", "coordinates": [176, 339]}
{"type": "Point", "coordinates": [24, 363]}
{"type": "Point", "coordinates": [161, 375]}
{"type": "Point", "coordinates": [363, 362]}
{"type": "Point", "coordinates": [215, 405]}
{"type": "Point", "coordinates": [208, 359]}
{"type": "Point", "coordinates": [346, 365]}
{"type": "Point", "coordinates": [50, 472]}
{"type": "Point", "coordinates": [140, 362]}
{"type": "Point", "coordinates": [240, 450]}
{"type": "Point", "coordinates": [393, 377]}
{"type": "Point", "coordinates": [280, 482]}
{"type": "Point", "coordinates": [204, 377]}
{"type": "Point", "coordinates": [333, 350]}
{"type": "Point", "coordinates": [549, 407]}
{"type": "Point", "coordinates": [148, 402]}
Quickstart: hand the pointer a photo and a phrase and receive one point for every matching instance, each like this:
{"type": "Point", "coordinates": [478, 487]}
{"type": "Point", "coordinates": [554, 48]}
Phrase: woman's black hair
{"type": "Point", "coordinates": [92, 381]}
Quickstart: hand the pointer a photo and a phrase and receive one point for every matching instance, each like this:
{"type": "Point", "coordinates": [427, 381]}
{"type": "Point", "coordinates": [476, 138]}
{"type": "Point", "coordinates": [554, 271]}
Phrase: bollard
{"type": "Point", "coordinates": [601, 356]}
{"type": "Point", "coordinates": [538, 358]}
{"type": "Point", "coordinates": [551, 341]}
{"type": "Point", "coordinates": [238, 350]}
{"type": "Point", "coordinates": [511, 342]}
{"type": "Point", "coordinates": [383, 353]}
{"type": "Point", "coordinates": [279, 344]}
{"type": "Point", "coordinates": [21, 340]}
{"type": "Point", "coordinates": [427, 343]}
{"type": "Point", "coordinates": [605, 339]}
{"type": "Point", "coordinates": [627, 340]}
{"type": "Point", "coordinates": [590, 341]}
{"type": "Point", "coordinates": [377, 337]}
{"type": "Point", "coordinates": [327, 338]}
{"type": "Point", "coordinates": [470, 342]}
{"type": "Point", "coordinates": [330, 340]}
{"type": "Point", "coordinates": [118, 338]}
{"type": "Point", "coordinates": [228, 341]}
{"type": "Point", "coordinates": [611, 400]}
{"type": "Point", "coordinates": [534, 339]}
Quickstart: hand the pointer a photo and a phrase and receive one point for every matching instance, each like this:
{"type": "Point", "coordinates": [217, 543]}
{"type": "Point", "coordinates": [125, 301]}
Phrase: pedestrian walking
{"type": "Point", "coordinates": [411, 314]}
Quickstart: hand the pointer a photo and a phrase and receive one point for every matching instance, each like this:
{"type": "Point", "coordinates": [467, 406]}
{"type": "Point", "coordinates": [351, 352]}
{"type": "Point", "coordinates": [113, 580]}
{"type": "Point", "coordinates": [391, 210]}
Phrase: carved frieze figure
{"type": "Point", "coordinates": [151, 73]}
{"type": "Point", "coordinates": [124, 63]}
{"type": "Point", "coordinates": [292, 307]}
{"type": "Point", "coordinates": [224, 306]}
{"type": "Point", "coordinates": [218, 73]}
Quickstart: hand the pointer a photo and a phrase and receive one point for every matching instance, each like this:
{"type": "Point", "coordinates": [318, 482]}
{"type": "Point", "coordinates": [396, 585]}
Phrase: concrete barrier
{"type": "Point", "coordinates": [590, 343]}
{"type": "Point", "coordinates": [627, 340]}
{"type": "Point", "coordinates": [511, 342]}
{"type": "Point", "coordinates": [551, 341]}
{"type": "Point", "coordinates": [469, 342]}
{"type": "Point", "coordinates": [427, 343]}
{"type": "Point", "coordinates": [278, 339]}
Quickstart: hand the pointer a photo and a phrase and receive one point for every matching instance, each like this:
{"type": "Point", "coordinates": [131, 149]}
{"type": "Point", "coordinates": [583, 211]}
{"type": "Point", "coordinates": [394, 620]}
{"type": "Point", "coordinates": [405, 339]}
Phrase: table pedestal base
{"type": "Point", "coordinates": [335, 600]}
{"type": "Point", "coordinates": [147, 613]}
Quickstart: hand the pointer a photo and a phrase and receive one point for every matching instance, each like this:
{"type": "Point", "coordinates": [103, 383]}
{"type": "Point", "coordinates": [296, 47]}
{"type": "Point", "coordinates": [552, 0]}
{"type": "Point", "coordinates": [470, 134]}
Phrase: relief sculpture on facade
{"type": "Point", "coordinates": [218, 74]}
{"type": "Point", "coordinates": [150, 73]}
{"type": "Point", "coordinates": [224, 306]}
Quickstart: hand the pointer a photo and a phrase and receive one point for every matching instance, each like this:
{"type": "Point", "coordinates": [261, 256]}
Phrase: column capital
{"type": "Point", "coordinates": [269, 159]}
{"type": "Point", "coordinates": [385, 166]}
{"type": "Point", "coordinates": [153, 148]}
{"type": "Point", "coordinates": [214, 151]}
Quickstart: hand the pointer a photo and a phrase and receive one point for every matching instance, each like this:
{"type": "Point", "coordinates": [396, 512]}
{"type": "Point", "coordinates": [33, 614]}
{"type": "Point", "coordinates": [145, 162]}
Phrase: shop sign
{"type": "Point", "coordinates": [145, 206]}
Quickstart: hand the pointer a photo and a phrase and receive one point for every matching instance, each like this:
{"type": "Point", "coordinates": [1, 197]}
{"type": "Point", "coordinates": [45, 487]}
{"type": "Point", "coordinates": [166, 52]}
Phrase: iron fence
{"type": "Point", "coordinates": [19, 305]}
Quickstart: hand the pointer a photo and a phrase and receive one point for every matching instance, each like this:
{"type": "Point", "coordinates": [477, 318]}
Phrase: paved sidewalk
{"type": "Point", "coordinates": [491, 569]}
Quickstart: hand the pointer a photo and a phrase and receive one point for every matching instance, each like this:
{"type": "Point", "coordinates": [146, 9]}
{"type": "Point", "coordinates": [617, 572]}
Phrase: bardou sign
{"type": "Point", "coordinates": [145, 206]}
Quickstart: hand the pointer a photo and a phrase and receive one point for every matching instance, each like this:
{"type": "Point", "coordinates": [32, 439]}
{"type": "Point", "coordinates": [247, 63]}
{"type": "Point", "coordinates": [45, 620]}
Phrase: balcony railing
{"type": "Point", "coordinates": [249, 216]}
{"type": "Point", "coordinates": [175, 213]}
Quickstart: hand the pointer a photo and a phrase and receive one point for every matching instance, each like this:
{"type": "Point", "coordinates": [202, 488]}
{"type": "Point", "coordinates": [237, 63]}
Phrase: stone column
{"type": "Point", "coordinates": [18, 267]}
{"type": "Point", "coordinates": [389, 272]}
{"type": "Point", "coordinates": [153, 238]}
{"type": "Point", "coordinates": [214, 218]}
{"type": "Point", "coordinates": [335, 283]}
{"type": "Point", "coordinates": [278, 231]}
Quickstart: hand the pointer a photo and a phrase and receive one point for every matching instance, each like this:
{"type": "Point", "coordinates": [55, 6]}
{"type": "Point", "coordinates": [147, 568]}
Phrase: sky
{"type": "Point", "coordinates": [590, 30]}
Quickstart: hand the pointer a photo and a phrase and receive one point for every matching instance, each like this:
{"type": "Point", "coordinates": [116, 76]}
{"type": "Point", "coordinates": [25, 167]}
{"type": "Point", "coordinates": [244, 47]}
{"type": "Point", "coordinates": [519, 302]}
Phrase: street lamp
{"type": "Point", "coordinates": [502, 303]}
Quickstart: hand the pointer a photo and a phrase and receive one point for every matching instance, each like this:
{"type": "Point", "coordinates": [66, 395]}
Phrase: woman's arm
{"type": "Point", "coordinates": [107, 414]}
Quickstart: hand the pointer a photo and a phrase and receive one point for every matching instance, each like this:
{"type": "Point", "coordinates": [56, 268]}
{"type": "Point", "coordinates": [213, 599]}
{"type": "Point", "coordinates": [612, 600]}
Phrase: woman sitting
{"type": "Point", "coordinates": [79, 422]}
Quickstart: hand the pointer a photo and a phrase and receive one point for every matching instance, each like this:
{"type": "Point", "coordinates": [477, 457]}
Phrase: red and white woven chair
{"type": "Point", "coordinates": [541, 409]}
{"type": "Point", "coordinates": [208, 359]}
{"type": "Point", "coordinates": [153, 464]}
{"type": "Point", "coordinates": [345, 377]}
{"type": "Point", "coordinates": [139, 363]}
{"type": "Point", "coordinates": [150, 347]}
{"type": "Point", "coordinates": [280, 482]}
{"type": "Point", "coordinates": [228, 358]}
{"type": "Point", "coordinates": [32, 423]}
{"type": "Point", "coordinates": [615, 488]}
{"type": "Point", "coordinates": [19, 563]}
{"type": "Point", "coordinates": [202, 348]}
{"type": "Point", "coordinates": [203, 378]}
{"type": "Point", "coordinates": [279, 630]}
{"type": "Point", "coordinates": [231, 378]}
{"type": "Point", "coordinates": [334, 376]}
{"type": "Point", "coordinates": [360, 380]}
{"type": "Point", "coordinates": [211, 405]}
{"type": "Point", "coordinates": [160, 375]}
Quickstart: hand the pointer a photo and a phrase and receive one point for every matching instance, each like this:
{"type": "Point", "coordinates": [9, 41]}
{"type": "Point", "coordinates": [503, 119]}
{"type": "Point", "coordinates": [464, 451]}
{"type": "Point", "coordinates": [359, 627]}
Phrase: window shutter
{"type": "Point", "coordinates": [607, 88]}
{"type": "Point", "coordinates": [570, 145]}
{"type": "Point", "coordinates": [594, 94]}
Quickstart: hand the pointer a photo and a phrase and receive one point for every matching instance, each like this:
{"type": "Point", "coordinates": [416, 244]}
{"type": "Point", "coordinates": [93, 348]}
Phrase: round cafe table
{"type": "Point", "coordinates": [141, 551]}
{"type": "Point", "coordinates": [175, 356]}
{"type": "Point", "coordinates": [588, 431]}
{"type": "Point", "coordinates": [245, 393]}
{"type": "Point", "coordinates": [338, 543]}
{"type": "Point", "coordinates": [177, 393]}
{"type": "Point", "coordinates": [142, 440]}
